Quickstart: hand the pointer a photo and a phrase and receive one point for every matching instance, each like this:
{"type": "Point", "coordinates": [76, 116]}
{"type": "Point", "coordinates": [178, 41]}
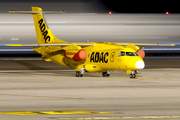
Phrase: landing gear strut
{"type": "Point", "coordinates": [133, 74]}
{"type": "Point", "coordinates": [106, 74]}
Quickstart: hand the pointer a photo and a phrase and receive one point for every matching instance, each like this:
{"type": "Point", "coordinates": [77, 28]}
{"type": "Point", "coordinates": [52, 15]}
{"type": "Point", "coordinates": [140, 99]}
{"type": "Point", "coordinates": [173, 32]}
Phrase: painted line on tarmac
{"type": "Point", "coordinates": [53, 112]}
{"type": "Point", "coordinates": [125, 117]}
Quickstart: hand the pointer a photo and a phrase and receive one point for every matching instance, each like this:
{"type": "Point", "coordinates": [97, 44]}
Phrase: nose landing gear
{"type": "Point", "coordinates": [133, 74]}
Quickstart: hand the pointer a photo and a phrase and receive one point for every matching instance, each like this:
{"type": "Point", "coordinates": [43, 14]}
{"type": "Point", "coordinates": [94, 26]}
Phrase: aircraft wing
{"type": "Point", "coordinates": [84, 44]}
{"type": "Point", "coordinates": [139, 44]}
{"type": "Point", "coordinates": [50, 44]}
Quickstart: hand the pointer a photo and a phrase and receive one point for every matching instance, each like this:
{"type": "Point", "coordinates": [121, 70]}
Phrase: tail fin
{"type": "Point", "coordinates": [43, 33]}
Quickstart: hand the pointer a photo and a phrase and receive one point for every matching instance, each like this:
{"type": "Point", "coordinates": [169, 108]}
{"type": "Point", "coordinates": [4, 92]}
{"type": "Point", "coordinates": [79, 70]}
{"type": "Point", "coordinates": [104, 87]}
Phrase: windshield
{"type": "Point", "coordinates": [122, 53]}
{"type": "Point", "coordinates": [130, 54]}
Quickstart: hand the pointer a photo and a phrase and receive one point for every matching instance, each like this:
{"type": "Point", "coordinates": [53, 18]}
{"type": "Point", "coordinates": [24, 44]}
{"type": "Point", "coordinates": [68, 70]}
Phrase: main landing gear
{"type": "Point", "coordinates": [80, 73]}
{"type": "Point", "coordinates": [106, 74]}
{"type": "Point", "coordinates": [133, 74]}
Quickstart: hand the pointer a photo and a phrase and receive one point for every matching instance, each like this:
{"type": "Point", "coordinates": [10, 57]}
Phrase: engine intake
{"type": "Point", "coordinates": [141, 53]}
{"type": "Point", "coordinates": [76, 55]}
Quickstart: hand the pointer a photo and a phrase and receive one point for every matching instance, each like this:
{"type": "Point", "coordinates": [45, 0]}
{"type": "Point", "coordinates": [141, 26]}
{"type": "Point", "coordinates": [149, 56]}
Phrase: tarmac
{"type": "Point", "coordinates": [53, 93]}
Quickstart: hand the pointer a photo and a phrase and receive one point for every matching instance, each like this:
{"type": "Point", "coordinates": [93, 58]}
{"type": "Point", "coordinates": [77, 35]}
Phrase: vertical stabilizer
{"type": "Point", "coordinates": [44, 34]}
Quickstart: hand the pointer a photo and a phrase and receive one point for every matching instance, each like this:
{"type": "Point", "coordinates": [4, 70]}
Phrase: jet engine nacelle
{"type": "Point", "coordinates": [141, 53]}
{"type": "Point", "coordinates": [76, 54]}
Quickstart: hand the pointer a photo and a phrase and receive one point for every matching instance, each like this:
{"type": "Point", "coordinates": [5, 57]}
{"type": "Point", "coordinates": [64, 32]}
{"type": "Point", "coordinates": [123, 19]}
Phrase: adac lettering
{"type": "Point", "coordinates": [99, 57]}
{"type": "Point", "coordinates": [42, 27]}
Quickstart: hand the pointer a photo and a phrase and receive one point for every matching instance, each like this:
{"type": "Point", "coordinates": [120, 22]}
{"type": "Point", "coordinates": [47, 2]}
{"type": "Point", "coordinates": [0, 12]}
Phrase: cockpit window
{"type": "Point", "coordinates": [136, 54]}
{"type": "Point", "coordinates": [130, 54]}
{"type": "Point", "coordinates": [121, 54]}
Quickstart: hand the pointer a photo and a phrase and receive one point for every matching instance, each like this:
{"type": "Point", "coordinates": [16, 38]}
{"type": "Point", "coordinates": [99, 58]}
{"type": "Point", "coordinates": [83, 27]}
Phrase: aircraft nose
{"type": "Point", "coordinates": [140, 65]}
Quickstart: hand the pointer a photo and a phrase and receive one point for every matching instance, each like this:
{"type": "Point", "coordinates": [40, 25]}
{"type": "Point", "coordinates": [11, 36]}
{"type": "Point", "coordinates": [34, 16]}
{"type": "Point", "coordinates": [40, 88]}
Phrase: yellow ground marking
{"type": "Point", "coordinates": [40, 96]}
{"type": "Point", "coordinates": [125, 117]}
{"type": "Point", "coordinates": [53, 112]}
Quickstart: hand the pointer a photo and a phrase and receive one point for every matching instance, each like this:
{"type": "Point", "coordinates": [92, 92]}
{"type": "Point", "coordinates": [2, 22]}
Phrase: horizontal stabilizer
{"type": "Point", "coordinates": [36, 12]}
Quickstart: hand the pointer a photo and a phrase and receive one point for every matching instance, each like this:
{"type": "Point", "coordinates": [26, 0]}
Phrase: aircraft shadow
{"type": "Point", "coordinates": [32, 66]}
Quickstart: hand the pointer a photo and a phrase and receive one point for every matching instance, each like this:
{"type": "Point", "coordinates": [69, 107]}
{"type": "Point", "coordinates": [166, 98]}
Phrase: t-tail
{"type": "Point", "coordinates": [44, 34]}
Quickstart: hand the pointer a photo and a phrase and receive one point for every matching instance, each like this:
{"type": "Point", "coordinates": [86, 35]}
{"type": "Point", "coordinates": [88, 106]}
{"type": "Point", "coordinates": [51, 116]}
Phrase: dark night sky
{"type": "Point", "coordinates": [146, 6]}
{"type": "Point", "coordinates": [119, 6]}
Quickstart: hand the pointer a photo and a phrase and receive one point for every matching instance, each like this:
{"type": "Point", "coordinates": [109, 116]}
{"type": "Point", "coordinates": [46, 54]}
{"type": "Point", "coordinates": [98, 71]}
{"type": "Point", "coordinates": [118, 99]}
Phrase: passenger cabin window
{"type": "Point", "coordinates": [130, 54]}
{"type": "Point", "coordinates": [121, 54]}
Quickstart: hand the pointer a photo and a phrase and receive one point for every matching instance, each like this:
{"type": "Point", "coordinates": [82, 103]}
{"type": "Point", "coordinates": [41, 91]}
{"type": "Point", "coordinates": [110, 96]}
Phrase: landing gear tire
{"type": "Point", "coordinates": [132, 76]}
{"type": "Point", "coordinates": [78, 74]}
{"type": "Point", "coordinates": [105, 74]}
{"type": "Point", "coordinates": [81, 75]}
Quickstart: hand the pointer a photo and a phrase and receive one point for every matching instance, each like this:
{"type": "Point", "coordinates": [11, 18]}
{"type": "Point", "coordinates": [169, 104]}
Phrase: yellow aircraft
{"type": "Point", "coordinates": [86, 56]}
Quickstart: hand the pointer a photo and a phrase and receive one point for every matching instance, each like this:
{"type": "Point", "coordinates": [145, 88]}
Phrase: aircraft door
{"type": "Point", "coordinates": [112, 56]}
{"type": "Point", "coordinates": [120, 60]}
